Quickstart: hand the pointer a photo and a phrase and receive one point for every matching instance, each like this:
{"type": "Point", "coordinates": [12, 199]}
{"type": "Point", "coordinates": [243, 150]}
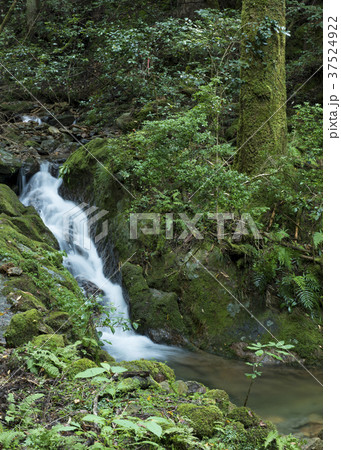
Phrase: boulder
{"type": "Point", "coordinates": [49, 341]}
{"type": "Point", "coordinates": [201, 418]}
{"type": "Point", "coordinates": [24, 326]}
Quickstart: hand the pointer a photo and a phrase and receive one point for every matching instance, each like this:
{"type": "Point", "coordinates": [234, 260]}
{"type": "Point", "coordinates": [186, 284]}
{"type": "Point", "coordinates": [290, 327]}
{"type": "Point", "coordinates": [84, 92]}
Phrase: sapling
{"type": "Point", "coordinates": [273, 349]}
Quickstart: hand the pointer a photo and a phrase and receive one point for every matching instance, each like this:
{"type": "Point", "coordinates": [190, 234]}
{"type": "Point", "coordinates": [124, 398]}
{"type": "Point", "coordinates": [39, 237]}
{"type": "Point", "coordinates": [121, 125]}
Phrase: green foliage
{"type": "Point", "coordinates": [282, 442]}
{"type": "Point", "coordinates": [273, 349]}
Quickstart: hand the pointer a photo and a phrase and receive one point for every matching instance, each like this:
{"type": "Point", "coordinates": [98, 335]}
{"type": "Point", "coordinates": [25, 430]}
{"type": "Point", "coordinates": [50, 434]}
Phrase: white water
{"type": "Point", "coordinates": [31, 119]}
{"type": "Point", "coordinates": [85, 264]}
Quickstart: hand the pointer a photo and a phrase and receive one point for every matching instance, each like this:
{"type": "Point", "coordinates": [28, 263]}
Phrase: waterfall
{"type": "Point", "coordinates": [85, 264]}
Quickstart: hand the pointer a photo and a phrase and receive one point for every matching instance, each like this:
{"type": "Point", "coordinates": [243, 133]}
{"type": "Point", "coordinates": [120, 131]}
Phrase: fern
{"type": "Point", "coordinates": [307, 290]}
{"type": "Point", "coordinates": [8, 438]}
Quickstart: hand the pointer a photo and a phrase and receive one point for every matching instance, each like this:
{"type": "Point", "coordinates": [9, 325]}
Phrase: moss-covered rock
{"type": "Point", "coordinates": [59, 321]}
{"type": "Point", "coordinates": [203, 419]}
{"type": "Point", "coordinates": [9, 203]}
{"type": "Point", "coordinates": [24, 326]}
{"type": "Point", "coordinates": [220, 398]}
{"type": "Point", "coordinates": [128, 385]}
{"type": "Point", "coordinates": [154, 309]}
{"type": "Point", "coordinates": [49, 341]}
{"type": "Point", "coordinates": [245, 416]}
{"type": "Point", "coordinates": [23, 301]}
{"type": "Point", "coordinates": [180, 387]}
{"type": "Point", "coordinates": [79, 366]}
{"type": "Point", "coordinates": [159, 371]}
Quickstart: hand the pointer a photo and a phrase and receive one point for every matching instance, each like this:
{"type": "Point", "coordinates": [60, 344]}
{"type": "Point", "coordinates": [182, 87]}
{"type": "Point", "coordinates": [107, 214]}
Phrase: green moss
{"type": "Point", "coordinates": [202, 418]}
{"type": "Point", "coordinates": [49, 341]}
{"type": "Point", "coordinates": [79, 366]}
{"type": "Point", "coordinates": [23, 301]}
{"type": "Point", "coordinates": [9, 203]}
{"type": "Point", "coordinates": [245, 416]}
{"type": "Point", "coordinates": [159, 371]}
{"type": "Point", "coordinates": [220, 398]}
{"type": "Point", "coordinates": [59, 321]}
{"type": "Point", "coordinates": [301, 331]}
{"type": "Point", "coordinates": [128, 385]}
{"type": "Point", "coordinates": [33, 227]}
{"type": "Point", "coordinates": [263, 92]}
{"type": "Point", "coordinates": [257, 435]}
{"type": "Point", "coordinates": [24, 326]}
{"type": "Point", "coordinates": [153, 309]}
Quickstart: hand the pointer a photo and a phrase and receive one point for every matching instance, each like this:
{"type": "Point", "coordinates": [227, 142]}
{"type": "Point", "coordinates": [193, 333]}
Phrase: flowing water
{"type": "Point", "coordinates": [288, 396]}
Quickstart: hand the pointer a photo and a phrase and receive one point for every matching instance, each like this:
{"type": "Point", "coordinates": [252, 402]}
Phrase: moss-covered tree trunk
{"type": "Point", "coordinates": [32, 8]}
{"type": "Point", "coordinates": [262, 127]}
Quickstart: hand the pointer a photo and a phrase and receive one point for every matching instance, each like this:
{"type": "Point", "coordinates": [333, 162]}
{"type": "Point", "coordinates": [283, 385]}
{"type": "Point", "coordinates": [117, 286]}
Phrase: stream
{"type": "Point", "coordinates": [288, 396]}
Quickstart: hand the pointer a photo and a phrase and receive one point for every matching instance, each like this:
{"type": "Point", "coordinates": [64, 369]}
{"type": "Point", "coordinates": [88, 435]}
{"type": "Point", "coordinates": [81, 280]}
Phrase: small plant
{"type": "Point", "coordinates": [273, 349]}
{"type": "Point", "coordinates": [282, 442]}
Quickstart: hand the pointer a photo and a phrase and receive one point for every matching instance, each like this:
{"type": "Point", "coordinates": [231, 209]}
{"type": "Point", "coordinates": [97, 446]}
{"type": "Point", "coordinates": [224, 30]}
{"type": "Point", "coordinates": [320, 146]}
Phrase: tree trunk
{"type": "Point", "coordinates": [32, 8]}
{"type": "Point", "coordinates": [262, 130]}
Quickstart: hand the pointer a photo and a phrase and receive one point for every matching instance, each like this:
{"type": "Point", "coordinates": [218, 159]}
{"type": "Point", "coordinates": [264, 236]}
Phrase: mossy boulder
{"type": "Point", "coordinates": [59, 321]}
{"type": "Point", "coordinates": [24, 301]}
{"type": "Point", "coordinates": [9, 203]}
{"type": "Point", "coordinates": [202, 419]}
{"type": "Point", "coordinates": [159, 371]}
{"type": "Point", "coordinates": [128, 385]}
{"type": "Point", "coordinates": [24, 326]}
{"type": "Point", "coordinates": [79, 366]}
{"type": "Point", "coordinates": [245, 416]}
{"type": "Point", "coordinates": [221, 399]}
{"type": "Point", "coordinates": [180, 387]}
{"type": "Point", "coordinates": [49, 341]}
{"type": "Point", "coordinates": [157, 311]}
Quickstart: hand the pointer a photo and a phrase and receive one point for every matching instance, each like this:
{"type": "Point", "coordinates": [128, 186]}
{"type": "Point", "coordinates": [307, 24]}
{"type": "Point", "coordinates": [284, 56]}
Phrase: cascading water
{"type": "Point", "coordinates": [296, 395]}
{"type": "Point", "coordinates": [86, 265]}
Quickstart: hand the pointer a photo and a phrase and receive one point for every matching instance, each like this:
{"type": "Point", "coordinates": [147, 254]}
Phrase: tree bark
{"type": "Point", "coordinates": [32, 8]}
{"type": "Point", "coordinates": [262, 130]}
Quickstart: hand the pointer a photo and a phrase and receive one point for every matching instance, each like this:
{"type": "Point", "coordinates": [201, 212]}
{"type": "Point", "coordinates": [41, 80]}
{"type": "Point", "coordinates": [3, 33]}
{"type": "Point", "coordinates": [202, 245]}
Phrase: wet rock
{"type": "Point", "coordinates": [10, 269]}
{"type": "Point", "coordinates": [240, 349]}
{"type": "Point", "coordinates": [9, 165]}
{"type": "Point", "coordinates": [63, 119]}
{"type": "Point", "coordinates": [90, 289]}
{"type": "Point", "coordinates": [194, 386]}
{"type": "Point", "coordinates": [313, 444]}
{"type": "Point", "coordinates": [180, 387]}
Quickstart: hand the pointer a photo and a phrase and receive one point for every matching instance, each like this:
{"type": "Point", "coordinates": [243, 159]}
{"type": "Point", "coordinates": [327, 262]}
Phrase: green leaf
{"type": "Point", "coordinates": [95, 419]}
{"type": "Point", "coordinates": [127, 424]}
{"type": "Point", "coordinates": [88, 373]}
{"type": "Point", "coordinates": [106, 366]}
{"type": "Point", "coordinates": [118, 369]}
{"type": "Point", "coordinates": [153, 427]}
{"type": "Point", "coordinates": [259, 352]}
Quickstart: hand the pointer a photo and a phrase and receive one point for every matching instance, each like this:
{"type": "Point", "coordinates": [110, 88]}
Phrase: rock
{"type": "Point", "coordinates": [313, 444]}
{"type": "Point", "coordinates": [180, 387]}
{"type": "Point", "coordinates": [24, 301]}
{"type": "Point", "coordinates": [63, 119]}
{"type": "Point", "coordinates": [49, 341]}
{"type": "Point", "coordinates": [79, 366]}
{"type": "Point", "coordinates": [9, 202]}
{"type": "Point", "coordinates": [128, 385]}
{"type": "Point", "coordinates": [24, 326]}
{"type": "Point", "coordinates": [59, 321]}
{"type": "Point", "coordinates": [221, 399]}
{"type": "Point", "coordinates": [125, 122]}
{"type": "Point", "coordinates": [202, 418]}
{"type": "Point", "coordinates": [159, 371]}
{"type": "Point", "coordinates": [165, 386]}
{"type": "Point", "coordinates": [244, 415]}
{"type": "Point", "coordinates": [10, 269]}
{"type": "Point", "coordinates": [194, 386]}
{"type": "Point", "coordinates": [53, 130]}
{"type": "Point", "coordinates": [9, 166]}
{"type": "Point", "coordinates": [157, 311]}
